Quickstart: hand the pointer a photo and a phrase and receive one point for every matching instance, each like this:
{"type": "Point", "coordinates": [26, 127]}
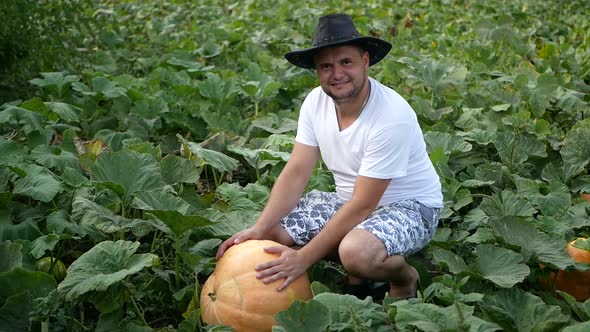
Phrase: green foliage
{"type": "Point", "coordinates": [26, 49]}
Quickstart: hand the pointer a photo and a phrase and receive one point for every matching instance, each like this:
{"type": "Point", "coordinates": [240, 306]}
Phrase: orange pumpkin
{"type": "Point", "coordinates": [576, 283]}
{"type": "Point", "coordinates": [585, 196]}
{"type": "Point", "coordinates": [233, 296]}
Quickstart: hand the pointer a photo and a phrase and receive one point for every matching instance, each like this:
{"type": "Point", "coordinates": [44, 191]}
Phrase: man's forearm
{"type": "Point", "coordinates": [284, 196]}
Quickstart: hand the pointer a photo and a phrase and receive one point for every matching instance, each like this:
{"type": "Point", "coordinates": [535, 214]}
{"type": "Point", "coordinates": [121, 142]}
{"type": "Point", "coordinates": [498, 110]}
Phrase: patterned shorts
{"type": "Point", "coordinates": [404, 227]}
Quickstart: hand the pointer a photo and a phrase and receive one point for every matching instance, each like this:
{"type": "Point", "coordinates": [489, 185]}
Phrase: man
{"type": "Point", "coordinates": [388, 195]}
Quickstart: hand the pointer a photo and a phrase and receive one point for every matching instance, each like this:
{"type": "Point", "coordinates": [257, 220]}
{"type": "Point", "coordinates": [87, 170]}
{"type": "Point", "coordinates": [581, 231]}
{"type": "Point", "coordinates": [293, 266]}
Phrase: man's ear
{"type": "Point", "coordinates": [366, 57]}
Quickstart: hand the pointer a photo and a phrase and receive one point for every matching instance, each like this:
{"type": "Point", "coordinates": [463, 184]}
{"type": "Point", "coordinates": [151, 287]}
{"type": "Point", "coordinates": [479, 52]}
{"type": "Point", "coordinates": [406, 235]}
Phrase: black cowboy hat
{"type": "Point", "coordinates": [335, 30]}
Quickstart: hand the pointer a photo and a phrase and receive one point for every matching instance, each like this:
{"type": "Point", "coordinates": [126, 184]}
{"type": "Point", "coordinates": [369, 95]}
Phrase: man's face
{"type": "Point", "coordinates": [342, 71]}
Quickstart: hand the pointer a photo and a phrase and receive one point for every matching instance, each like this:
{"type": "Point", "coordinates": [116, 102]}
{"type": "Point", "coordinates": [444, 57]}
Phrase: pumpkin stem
{"type": "Point", "coordinates": [212, 296]}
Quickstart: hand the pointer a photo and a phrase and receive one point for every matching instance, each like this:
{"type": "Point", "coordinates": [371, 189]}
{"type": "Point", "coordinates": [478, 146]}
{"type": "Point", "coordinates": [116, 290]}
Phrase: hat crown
{"type": "Point", "coordinates": [333, 28]}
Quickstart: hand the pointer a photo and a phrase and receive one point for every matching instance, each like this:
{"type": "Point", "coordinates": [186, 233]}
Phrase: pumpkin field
{"type": "Point", "coordinates": [136, 136]}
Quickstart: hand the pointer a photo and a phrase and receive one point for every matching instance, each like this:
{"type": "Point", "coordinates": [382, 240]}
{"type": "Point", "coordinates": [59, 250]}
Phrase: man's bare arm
{"type": "Point", "coordinates": [284, 195]}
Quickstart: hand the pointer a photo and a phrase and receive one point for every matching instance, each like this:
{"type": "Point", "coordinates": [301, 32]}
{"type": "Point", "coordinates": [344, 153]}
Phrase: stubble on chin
{"type": "Point", "coordinates": [343, 98]}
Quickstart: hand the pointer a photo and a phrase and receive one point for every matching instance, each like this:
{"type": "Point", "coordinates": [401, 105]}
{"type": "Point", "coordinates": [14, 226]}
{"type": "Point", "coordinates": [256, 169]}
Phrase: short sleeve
{"type": "Point", "coordinates": [305, 130]}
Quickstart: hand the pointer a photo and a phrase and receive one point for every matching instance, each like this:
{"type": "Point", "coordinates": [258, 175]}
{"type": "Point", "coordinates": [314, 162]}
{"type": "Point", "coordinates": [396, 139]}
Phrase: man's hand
{"type": "Point", "coordinates": [290, 265]}
{"type": "Point", "coordinates": [247, 234]}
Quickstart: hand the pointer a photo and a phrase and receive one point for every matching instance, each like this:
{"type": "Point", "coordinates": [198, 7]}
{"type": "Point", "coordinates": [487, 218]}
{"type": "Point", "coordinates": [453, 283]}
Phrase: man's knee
{"type": "Point", "coordinates": [360, 251]}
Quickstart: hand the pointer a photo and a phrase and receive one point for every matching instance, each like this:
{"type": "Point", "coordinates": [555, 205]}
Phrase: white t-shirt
{"type": "Point", "coordinates": [384, 142]}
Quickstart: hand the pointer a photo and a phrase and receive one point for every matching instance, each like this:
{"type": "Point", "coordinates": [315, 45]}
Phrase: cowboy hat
{"type": "Point", "coordinates": [336, 30]}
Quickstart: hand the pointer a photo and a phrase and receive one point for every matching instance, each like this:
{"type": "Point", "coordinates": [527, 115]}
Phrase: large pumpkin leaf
{"type": "Point", "coordinates": [19, 288]}
{"type": "Point", "coordinates": [229, 223]}
{"type": "Point", "coordinates": [349, 309]}
{"type": "Point", "coordinates": [506, 203]}
{"type": "Point", "coordinates": [515, 149]}
{"type": "Point", "coordinates": [556, 200]}
{"type": "Point", "coordinates": [56, 80]}
{"type": "Point", "coordinates": [129, 171]}
{"type": "Point", "coordinates": [159, 200]}
{"type": "Point", "coordinates": [26, 230]}
{"type": "Point", "coordinates": [502, 266]}
{"type": "Point", "coordinates": [522, 233]}
{"type": "Point", "coordinates": [67, 112]}
{"type": "Point", "coordinates": [19, 280]}
{"type": "Point", "coordinates": [179, 170]}
{"type": "Point", "coordinates": [39, 184]}
{"type": "Point", "coordinates": [180, 223]}
{"type": "Point", "coordinates": [450, 143]}
{"type": "Point", "coordinates": [309, 316]}
{"type": "Point", "coordinates": [92, 216]}
{"type": "Point", "coordinates": [455, 263]}
{"type": "Point", "coordinates": [106, 264]}
{"type": "Point", "coordinates": [12, 255]}
{"type": "Point", "coordinates": [430, 317]}
{"type": "Point", "coordinates": [216, 159]}
{"type": "Point", "coordinates": [48, 242]}
{"type": "Point", "coordinates": [516, 310]}
{"type": "Point", "coordinates": [29, 120]}
{"type": "Point", "coordinates": [54, 157]}
{"type": "Point", "coordinates": [576, 151]}
{"type": "Point", "coordinates": [11, 152]}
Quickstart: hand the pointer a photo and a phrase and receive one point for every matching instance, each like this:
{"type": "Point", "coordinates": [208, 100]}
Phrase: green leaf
{"type": "Point", "coordinates": [348, 308]}
{"type": "Point", "coordinates": [30, 121]}
{"type": "Point", "coordinates": [522, 233]}
{"type": "Point", "coordinates": [505, 204]}
{"type": "Point", "coordinates": [275, 124]}
{"type": "Point", "coordinates": [179, 170]}
{"type": "Point", "coordinates": [430, 317]}
{"type": "Point", "coordinates": [180, 223]}
{"type": "Point", "coordinates": [48, 242]}
{"type": "Point", "coordinates": [455, 263]}
{"type": "Point", "coordinates": [39, 184]}
{"type": "Point", "coordinates": [229, 223]}
{"type": "Point", "coordinates": [515, 149]}
{"type": "Point", "coordinates": [577, 327]}
{"type": "Point", "coordinates": [11, 152]}
{"type": "Point", "coordinates": [450, 143]}
{"type": "Point", "coordinates": [130, 170]}
{"type": "Point", "coordinates": [159, 200]}
{"type": "Point", "coordinates": [554, 203]}
{"type": "Point", "coordinates": [304, 316]}
{"type": "Point", "coordinates": [14, 313]}
{"type": "Point", "coordinates": [251, 197]}
{"type": "Point", "coordinates": [19, 280]}
{"type": "Point", "coordinates": [434, 74]}
{"type": "Point", "coordinates": [502, 266]}
{"type": "Point", "coordinates": [216, 88]}
{"type": "Point", "coordinates": [54, 157]}
{"type": "Point", "coordinates": [92, 217]}
{"type": "Point", "coordinates": [105, 264]}
{"type": "Point", "coordinates": [576, 152]}
{"type": "Point", "coordinates": [12, 256]}
{"type": "Point", "coordinates": [56, 79]}
{"type": "Point", "coordinates": [107, 88]}
{"type": "Point", "coordinates": [516, 310]}
{"type": "Point", "coordinates": [67, 112]}
{"type": "Point", "coordinates": [217, 160]}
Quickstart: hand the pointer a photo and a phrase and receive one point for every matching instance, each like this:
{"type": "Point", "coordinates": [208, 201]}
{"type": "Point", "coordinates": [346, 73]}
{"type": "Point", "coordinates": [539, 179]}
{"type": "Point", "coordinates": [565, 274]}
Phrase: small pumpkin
{"type": "Point", "coordinates": [233, 296]}
{"type": "Point", "coordinates": [576, 283]}
{"type": "Point", "coordinates": [585, 196]}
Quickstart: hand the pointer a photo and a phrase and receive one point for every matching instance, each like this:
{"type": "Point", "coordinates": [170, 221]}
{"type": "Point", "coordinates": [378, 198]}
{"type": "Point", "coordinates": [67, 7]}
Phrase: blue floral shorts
{"type": "Point", "coordinates": [404, 227]}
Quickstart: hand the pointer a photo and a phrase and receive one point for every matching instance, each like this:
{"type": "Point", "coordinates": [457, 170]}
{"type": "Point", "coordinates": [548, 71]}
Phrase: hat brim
{"type": "Point", "coordinates": [376, 47]}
